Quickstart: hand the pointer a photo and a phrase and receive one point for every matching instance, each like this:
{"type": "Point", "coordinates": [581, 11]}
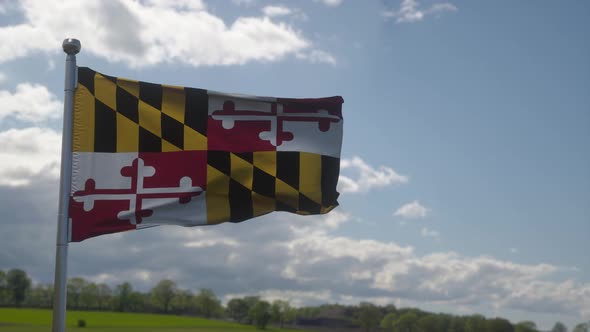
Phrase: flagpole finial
{"type": "Point", "coordinates": [71, 46]}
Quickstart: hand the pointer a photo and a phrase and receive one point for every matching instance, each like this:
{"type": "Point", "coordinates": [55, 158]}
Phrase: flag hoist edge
{"type": "Point", "coordinates": [149, 154]}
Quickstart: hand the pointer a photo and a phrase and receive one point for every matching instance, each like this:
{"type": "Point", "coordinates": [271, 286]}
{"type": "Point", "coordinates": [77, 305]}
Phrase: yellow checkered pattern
{"type": "Point", "coordinates": [120, 115]}
{"type": "Point", "coordinates": [246, 185]}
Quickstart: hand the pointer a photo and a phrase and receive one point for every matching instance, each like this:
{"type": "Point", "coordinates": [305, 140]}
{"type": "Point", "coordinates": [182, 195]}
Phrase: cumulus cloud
{"type": "Point", "coordinates": [148, 33]}
{"type": "Point", "coordinates": [317, 56]}
{"type": "Point", "coordinates": [366, 177]}
{"type": "Point", "coordinates": [29, 103]}
{"type": "Point", "coordinates": [409, 11]}
{"type": "Point", "coordinates": [413, 210]}
{"type": "Point", "coordinates": [545, 297]}
{"type": "Point", "coordinates": [244, 2]}
{"type": "Point", "coordinates": [427, 232]}
{"type": "Point", "coordinates": [283, 11]}
{"type": "Point", "coordinates": [31, 153]}
{"type": "Point", "coordinates": [276, 11]}
{"type": "Point", "coordinates": [331, 3]}
{"type": "Point", "coordinates": [28, 154]}
{"type": "Point", "coordinates": [178, 4]}
{"type": "Point", "coordinates": [299, 258]}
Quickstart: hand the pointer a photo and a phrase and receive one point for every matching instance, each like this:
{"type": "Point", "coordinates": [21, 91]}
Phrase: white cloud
{"type": "Point", "coordinates": [550, 297]}
{"type": "Point", "coordinates": [149, 33]}
{"type": "Point", "coordinates": [331, 3]}
{"type": "Point", "coordinates": [246, 3]}
{"type": "Point", "coordinates": [276, 11]}
{"type": "Point", "coordinates": [50, 65]}
{"type": "Point", "coordinates": [413, 210]}
{"type": "Point", "coordinates": [367, 177]}
{"type": "Point", "coordinates": [427, 232]}
{"type": "Point", "coordinates": [449, 278]}
{"type": "Point", "coordinates": [334, 219]}
{"type": "Point", "coordinates": [211, 243]}
{"type": "Point", "coordinates": [28, 38]}
{"type": "Point", "coordinates": [292, 257]}
{"type": "Point", "coordinates": [317, 56]}
{"type": "Point", "coordinates": [29, 102]}
{"type": "Point", "coordinates": [27, 154]}
{"type": "Point", "coordinates": [178, 4]}
{"type": "Point", "coordinates": [409, 11]}
{"type": "Point", "coordinates": [438, 8]}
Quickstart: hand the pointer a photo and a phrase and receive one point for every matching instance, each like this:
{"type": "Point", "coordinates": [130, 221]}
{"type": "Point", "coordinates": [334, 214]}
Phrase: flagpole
{"type": "Point", "coordinates": [71, 47]}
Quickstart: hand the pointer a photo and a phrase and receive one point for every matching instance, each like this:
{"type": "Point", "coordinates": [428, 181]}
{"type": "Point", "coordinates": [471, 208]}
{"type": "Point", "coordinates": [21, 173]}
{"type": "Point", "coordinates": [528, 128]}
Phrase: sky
{"type": "Point", "coordinates": [465, 169]}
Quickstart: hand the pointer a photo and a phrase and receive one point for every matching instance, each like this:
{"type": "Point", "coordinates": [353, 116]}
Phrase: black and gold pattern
{"type": "Point", "coordinates": [241, 186]}
{"type": "Point", "coordinates": [119, 115]}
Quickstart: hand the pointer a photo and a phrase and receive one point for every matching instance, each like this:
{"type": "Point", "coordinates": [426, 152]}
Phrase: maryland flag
{"type": "Point", "coordinates": [149, 154]}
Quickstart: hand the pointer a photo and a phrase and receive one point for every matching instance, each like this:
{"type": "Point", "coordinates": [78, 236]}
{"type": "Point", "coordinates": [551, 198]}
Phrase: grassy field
{"type": "Point", "coordinates": [39, 320]}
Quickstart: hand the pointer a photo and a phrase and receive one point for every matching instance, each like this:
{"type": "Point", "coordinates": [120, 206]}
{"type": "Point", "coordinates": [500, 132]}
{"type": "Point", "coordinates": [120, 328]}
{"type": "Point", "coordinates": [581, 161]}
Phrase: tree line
{"type": "Point", "coordinates": [17, 290]}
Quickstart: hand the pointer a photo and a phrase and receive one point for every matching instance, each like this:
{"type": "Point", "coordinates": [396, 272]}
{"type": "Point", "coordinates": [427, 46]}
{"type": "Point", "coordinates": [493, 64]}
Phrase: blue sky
{"type": "Point", "coordinates": [466, 173]}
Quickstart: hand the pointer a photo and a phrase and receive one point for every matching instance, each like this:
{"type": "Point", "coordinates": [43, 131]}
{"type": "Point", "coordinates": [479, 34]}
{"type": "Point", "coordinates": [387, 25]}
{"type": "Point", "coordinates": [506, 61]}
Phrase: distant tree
{"type": "Point", "coordinates": [444, 322]}
{"type": "Point", "coordinates": [18, 284]}
{"type": "Point", "coordinates": [89, 296]}
{"type": "Point", "coordinates": [280, 311]}
{"type": "Point", "coordinates": [583, 327]}
{"type": "Point", "coordinates": [526, 326]}
{"type": "Point", "coordinates": [104, 295]}
{"type": "Point", "coordinates": [237, 309]}
{"type": "Point", "coordinates": [250, 301]}
{"type": "Point", "coordinates": [388, 321]}
{"type": "Point", "coordinates": [183, 302]}
{"type": "Point", "coordinates": [456, 324]}
{"type": "Point", "coordinates": [429, 323]}
{"type": "Point", "coordinates": [559, 327]}
{"type": "Point", "coordinates": [368, 316]}
{"type": "Point", "coordinates": [74, 287]}
{"type": "Point", "coordinates": [499, 325]}
{"type": "Point", "coordinates": [41, 296]}
{"type": "Point", "coordinates": [208, 304]}
{"type": "Point", "coordinates": [308, 312]}
{"type": "Point", "coordinates": [407, 322]}
{"type": "Point", "coordinates": [122, 301]}
{"type": "Point", "coordinates": [475, 323]}
{"type": "Point", "coordinates": [388, 309]}
{"type": "Point", "coordinates": [291, 315]}
{"type": "Point", "coordinates": [4, 297]}
{"type": "Point", "coordinates": [275, 314]}
{"type": "Point", "coordinates": [163, 293]}
{"type": "Point", "coordinates": [138, 302]}
{"type": "Point", "coordinates": [259, 314]}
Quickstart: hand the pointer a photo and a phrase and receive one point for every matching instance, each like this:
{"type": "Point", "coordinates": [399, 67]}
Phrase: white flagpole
{"type": "Point", "coordinates": [71, 47]}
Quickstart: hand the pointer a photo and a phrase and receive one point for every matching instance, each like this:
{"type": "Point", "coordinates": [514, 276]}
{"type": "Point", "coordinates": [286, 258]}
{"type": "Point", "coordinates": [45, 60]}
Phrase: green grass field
{"type": "Point", "coordinates": [38, 320]}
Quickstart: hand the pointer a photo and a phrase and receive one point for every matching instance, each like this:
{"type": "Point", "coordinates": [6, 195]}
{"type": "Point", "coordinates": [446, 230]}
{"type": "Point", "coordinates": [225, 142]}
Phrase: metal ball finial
{"type": "Point", "coordinates": [71, 46]}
